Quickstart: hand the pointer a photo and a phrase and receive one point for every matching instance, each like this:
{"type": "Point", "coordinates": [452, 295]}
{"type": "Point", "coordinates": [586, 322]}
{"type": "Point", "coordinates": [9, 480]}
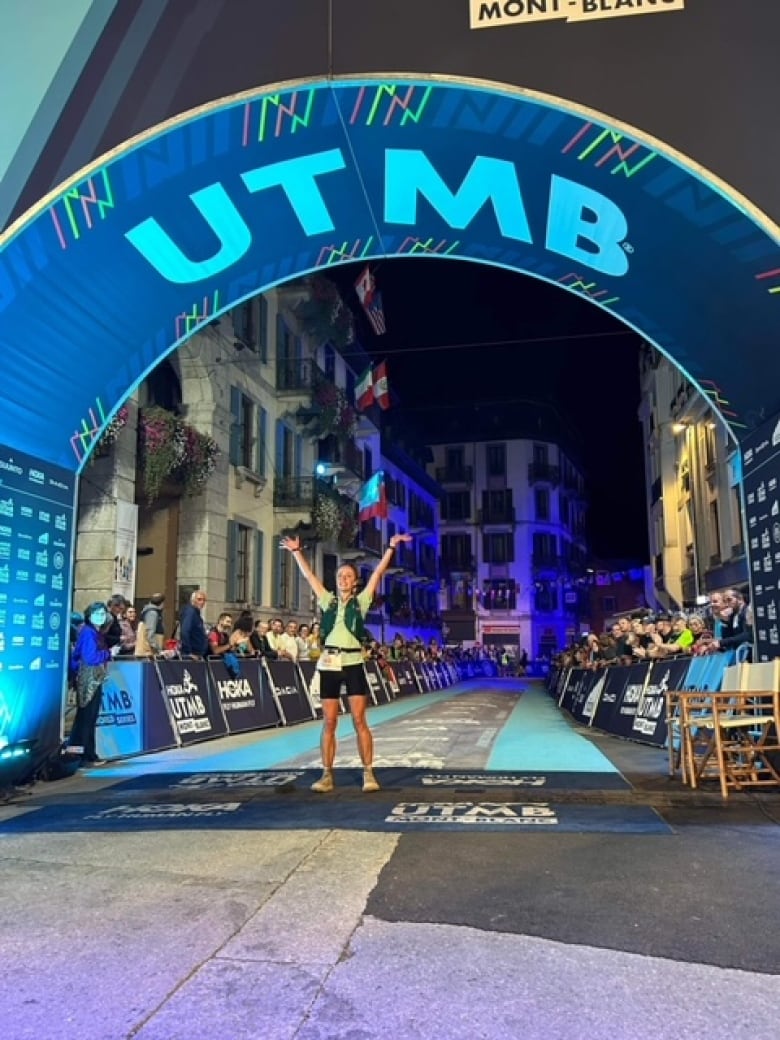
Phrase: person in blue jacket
{"type": "Point", "coordinates": [89, 662]}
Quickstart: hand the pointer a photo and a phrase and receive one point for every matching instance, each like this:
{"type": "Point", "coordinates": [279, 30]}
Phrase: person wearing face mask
{"type": "Point", "coordinates": [89, 661]}
{"type": "Point", "coordinates": [341, 661]}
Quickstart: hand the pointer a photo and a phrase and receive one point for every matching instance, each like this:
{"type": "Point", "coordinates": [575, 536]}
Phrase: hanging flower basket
{"type": "Point", "coordinates": [171, 450]}
{"type": "Point", "coordinates": [333, 414]}
{"type": "Point", "coordinates": [334, 519]}
{"type": "Point", "coordinates": [111, 431]}
{"type": "Point", "coordinates": [323, 316]}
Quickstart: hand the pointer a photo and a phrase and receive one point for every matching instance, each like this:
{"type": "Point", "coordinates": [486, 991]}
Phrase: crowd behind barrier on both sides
{"type": "Point", "coordinates": [725, 623]}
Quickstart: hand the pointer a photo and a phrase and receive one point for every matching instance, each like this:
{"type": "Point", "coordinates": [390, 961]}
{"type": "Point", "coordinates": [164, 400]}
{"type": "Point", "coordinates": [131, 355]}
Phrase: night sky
{"type": "Point", "coordinates": [467, 333]}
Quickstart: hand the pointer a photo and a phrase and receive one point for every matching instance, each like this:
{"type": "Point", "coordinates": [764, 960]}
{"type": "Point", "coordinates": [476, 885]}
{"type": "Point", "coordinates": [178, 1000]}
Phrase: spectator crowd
{"type": "Point", "coordinates": [724, 624]}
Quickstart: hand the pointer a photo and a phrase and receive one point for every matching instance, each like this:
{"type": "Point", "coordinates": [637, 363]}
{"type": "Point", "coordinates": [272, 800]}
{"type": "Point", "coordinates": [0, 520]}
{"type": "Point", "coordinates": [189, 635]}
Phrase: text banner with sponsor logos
{"type": "Point", "coordinates": [36, 534]}
{"type": "Point", "coordinates": [761, 470]}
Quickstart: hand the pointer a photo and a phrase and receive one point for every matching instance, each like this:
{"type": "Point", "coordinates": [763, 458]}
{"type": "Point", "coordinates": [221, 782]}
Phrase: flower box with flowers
{"type": "Point", "coordinates": [323, 316]}
{"type": "Point", "coordinates": [173, 452]}
{"type": "Point", "coordinates": [111, 431]}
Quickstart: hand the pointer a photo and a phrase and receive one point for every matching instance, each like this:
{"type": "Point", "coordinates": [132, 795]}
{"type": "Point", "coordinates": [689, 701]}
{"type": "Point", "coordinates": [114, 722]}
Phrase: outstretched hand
{"type": "Point", "coordinates": [290, 543]}
{"type": "Point", "coordinates": [397, 538]}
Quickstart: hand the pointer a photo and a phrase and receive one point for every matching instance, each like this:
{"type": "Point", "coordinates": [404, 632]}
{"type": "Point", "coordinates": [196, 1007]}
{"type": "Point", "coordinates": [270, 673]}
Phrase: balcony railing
{"type": "Point", "coordinates": [344, 453]}
{"type": "Point", "coordinates": [496, 516]}
{"type": "Point", "coordinates": [296, 375]}
{"type": "Point", "coordinates": [406, 558]}
{"type": "Point", "coordinates": [455, 474]}
{"type": "Point", "coordinates": [371, 538]}
{"type": "Point", "coordinates": [294, 492]}
{"type": "Point", "coordinates": [541, 472]}
{"type": "Point", "coordinates": [546, 562]}
{"type": "Point", "coordinates": [458, 564]}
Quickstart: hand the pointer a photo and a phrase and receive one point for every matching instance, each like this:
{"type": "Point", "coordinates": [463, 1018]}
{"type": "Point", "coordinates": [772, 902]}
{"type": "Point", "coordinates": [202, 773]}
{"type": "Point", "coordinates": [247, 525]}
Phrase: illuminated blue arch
{"type": "Point", "coordinates": [127, 260]}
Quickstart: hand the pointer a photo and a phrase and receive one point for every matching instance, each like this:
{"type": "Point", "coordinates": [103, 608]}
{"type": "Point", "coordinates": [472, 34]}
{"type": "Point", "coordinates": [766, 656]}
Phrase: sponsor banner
{"type": "Point", "coordinates": [490, 14]}
{"type": "Point", "coordinates": [120, 725]}
{"type": "Point", "coordinates": [421, 675]}
{"type": "Point", "coordinates": [624, 712]}
{"type": "Point", "coordinates": [364, 814]}
{"type": "Point", "coordinates": [287, 687]}
{"type": "Point", "coordinates": [246, 705]}
{"type": "Point", "coordinates": [443, 674]}
{"type": "Point", "coordinates": [577, 689]}
{"type": "Point", "coordinates": [557, 781]}
{"type": "Point", "coordinates": [407, 681]}
{"type": "Point", "coordinates": [593, 698]}
{"type": "Point", "coordinates": [649, 725]}
{"type": "Point", "coordinates": [761, 464]}
{"type": "Point", "coordinates": [194, 708]}
{"type": "Point", "coordinates": [125, 549]}
{"type": "Point", "coordinates": [611, 695]}
{"type": "Point", "coordinates": [377, 689]}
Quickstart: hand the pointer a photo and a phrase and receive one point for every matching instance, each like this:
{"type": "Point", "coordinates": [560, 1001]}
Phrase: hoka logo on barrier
{"type": "Point", "coordinates": [580, 223]}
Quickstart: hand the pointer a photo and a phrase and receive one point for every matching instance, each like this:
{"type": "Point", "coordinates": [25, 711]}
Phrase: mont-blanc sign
{"type": "Point", "coordinates": [487, 14]}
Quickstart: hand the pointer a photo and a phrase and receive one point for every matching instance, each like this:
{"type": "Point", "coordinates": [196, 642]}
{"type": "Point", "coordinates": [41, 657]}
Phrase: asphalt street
{"type": "Point", "coordinates": [517, 876]}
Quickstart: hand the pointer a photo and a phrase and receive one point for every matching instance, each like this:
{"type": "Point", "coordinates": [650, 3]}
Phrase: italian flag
{"type": "Point", "coordinates": [364, 390]}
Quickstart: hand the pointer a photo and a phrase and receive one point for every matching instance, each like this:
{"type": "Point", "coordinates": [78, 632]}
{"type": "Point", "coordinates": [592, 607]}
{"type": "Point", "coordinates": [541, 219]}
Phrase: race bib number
{"type": "Point", "coordinates": [329, 662]}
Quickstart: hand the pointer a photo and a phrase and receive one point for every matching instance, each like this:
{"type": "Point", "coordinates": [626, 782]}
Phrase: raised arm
{"type": "Point", "coordinates": [373, 582]}
{"type": "Point", "coordinates": [293, 545]}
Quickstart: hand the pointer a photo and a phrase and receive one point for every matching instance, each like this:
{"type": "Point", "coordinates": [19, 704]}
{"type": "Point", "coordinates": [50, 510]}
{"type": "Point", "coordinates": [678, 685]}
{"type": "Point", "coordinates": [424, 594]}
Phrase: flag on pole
{"type": "Point", "coordinates": [381, 386]}
{"type": "Point", "coordinates": [373, 498]}
{"type": "Point", "coordinates": [371, 300]}
{"type": "Point", "coordinates": [364, 390]}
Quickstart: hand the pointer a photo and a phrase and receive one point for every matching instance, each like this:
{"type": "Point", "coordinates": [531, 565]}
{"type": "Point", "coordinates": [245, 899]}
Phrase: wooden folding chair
{"type": "Point", "coordinates": [746, 728]}
{"type": "Point", "coordinates": [698, 757]}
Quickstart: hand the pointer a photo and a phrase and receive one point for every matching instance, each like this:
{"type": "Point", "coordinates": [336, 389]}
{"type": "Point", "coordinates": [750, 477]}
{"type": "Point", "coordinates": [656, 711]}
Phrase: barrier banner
{"type": "Point", "coordinates": [159, 731]}
{"type": "Point", "coordinates": [407, 682]}
{"type": "Point", "coordinates": [286, 686]}
{"type": "Point", "coordinates": [120, 724]}
{"type": "Point", "coordinates": [194, 708]}
{"type": "Point", "coordinates": [577, 697]}
{"type": "Point", "coordinates": [560, 685]}
{"type": "Point", "coordinates": [624, 714]}
{"type": "Point", "coordinates": [593, 698]}
{"type": "Point", "coordinates": [377, 690]}
{"type": "Point", "coordinates": [246, 705]}
{"type": "Point", "coordinates": [649, 724]}
{"type": "Point", "coordinates": [576, 691]}
{"type": "Point", "coordinates": [611, 695]}
{"type": "Point", "coordinates": [442, 674]}
{"type": "Point", "coordinates": [422, 677]}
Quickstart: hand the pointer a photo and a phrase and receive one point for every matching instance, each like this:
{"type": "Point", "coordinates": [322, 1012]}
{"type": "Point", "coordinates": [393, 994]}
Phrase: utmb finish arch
{"type": "Point", "coordinates": [585, 152]}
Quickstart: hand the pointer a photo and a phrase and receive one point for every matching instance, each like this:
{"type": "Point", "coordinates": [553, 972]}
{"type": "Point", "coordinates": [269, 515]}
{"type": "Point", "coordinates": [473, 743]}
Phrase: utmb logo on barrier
{"type": "Point", "coordinates": [580, 224]}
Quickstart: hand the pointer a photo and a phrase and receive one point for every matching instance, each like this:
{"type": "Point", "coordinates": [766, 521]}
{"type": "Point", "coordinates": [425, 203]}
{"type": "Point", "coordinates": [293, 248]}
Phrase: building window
{"type": "Point", "coordinates": [540, 455]}
{"type": "Point", "coordinates": [498, 548]}
{"type": "Point", "coordinates": [248, 432]}
{"type": "Point", "coordinates": [497, 507]}
{"type": "Point", "coordinates": [608, 604]}
{"type": "Point", "coordinates": [496, 460]}
{"type": "Point", "coordinates": [456, 505]}
{"type": "Point", "coordinates": [238, 586]}
{"type": "Point", "coordinates": [456, 551]}
{"type": "Point", "coordinates": [499, 595]}
{"type": "Point", "coordinates": [546, 597]}
{"type": "Point", "coordinates": [455, 464]}
{"type": "Point", "coordinates": [542, 503]}
{"type": "Point", "coordinates": [329, 362]}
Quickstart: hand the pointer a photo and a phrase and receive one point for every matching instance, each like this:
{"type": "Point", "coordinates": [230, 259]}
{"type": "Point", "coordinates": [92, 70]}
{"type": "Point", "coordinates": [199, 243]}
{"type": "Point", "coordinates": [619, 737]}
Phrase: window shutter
{"type": "Point", "coordinates": [260, 445]}
{"type": "Point", "coordinates": [232, 542]}
{"type": "Point", "coordinates": [276, 579]}
{"type": "Point", "coordinates": [235, 426]}
{"type": "Point", "coordinates": [298, 449]}
{"type": "Point", "coordinates": [259, 542]}
{"type": "Point", "coordinates": [281, 436]}
{"type": "Point", "coordinates": [262, 330]}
